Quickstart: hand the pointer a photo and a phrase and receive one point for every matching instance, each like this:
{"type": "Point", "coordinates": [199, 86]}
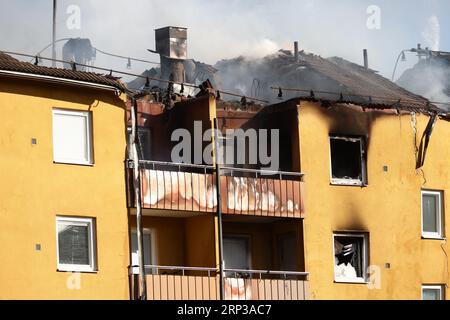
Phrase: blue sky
{"type": "Point", "coordinates": [225, 29]}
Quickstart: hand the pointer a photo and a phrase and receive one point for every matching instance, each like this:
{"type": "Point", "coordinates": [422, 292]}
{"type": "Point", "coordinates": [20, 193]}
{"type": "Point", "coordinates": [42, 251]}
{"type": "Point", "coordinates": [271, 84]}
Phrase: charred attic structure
{"type": "Point", "coordinates": [354, 210]}
{"type": "Point", "coordinates": [261, 213]}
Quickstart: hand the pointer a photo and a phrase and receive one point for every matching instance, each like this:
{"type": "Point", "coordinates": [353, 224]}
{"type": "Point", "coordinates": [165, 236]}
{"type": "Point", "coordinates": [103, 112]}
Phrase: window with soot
{"type": "Point", "coordinates": [348, 165]}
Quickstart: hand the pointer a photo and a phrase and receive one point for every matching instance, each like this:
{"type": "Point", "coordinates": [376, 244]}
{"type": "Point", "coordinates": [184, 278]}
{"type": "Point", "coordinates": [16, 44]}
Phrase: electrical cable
{"type": "Point", "coordinates": [110, 71]}
{"type": "Point", "coordinates": [101, 51]}
{"type": "Point", "coordinates": [124, 57]}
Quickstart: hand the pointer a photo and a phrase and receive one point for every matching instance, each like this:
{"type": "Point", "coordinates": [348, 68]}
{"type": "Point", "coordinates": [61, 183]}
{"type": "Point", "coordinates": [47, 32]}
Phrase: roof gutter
{"type": "Point", "coordinates": [32, 76]}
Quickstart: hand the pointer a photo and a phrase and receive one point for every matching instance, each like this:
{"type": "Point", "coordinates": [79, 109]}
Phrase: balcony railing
{"type": "Point", "coordinates": [185, 187]}
{"type": "Point", "coordinates": [181, 187]}
{"type": "Point", "coordinates": [263, 193]}
{"type": "Point", "coordinates": [182, 283]}
{"type": "Point", "coordinates": [190, 283]}
{"type": "Point", "coordinates": [265, 285]}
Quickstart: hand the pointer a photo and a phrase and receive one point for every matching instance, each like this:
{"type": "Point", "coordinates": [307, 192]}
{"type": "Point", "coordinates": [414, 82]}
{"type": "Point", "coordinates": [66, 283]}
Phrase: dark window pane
{"type": "Point", "coordinates": [144, 148]}
{"type": "Point", "coordinates": [431, 294]}
{"type": "Point", "coordinates": [345, 159]}
{"type": "Point", "coordinates": [429, 210]}
{"type": "Point", "coordinates": [73, 242]}
{"type": "Point", "coordinates": [145, 143]}
{"type": "Point", "coordinates": [236, 253]}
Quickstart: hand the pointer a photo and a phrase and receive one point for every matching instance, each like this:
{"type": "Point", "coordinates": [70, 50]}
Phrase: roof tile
{"type": "Point", "coordinates": [9, 63]}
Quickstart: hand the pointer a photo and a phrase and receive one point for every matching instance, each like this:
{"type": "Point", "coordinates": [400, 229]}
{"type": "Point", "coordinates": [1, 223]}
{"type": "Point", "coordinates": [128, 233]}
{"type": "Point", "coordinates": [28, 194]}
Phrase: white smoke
{"type": "Point", "coordinates": [260, 48]}
{"type": "Point", "coordinates": [432, 33]}
{"type": "Point", "coordinates": [221, 29]}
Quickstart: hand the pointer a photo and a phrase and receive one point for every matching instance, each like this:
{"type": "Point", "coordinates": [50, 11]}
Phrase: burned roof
{"type": "Point", "coordinates": [366, 86]}
{"type": "Point", "coordinates": [315, 78]}
{"type": "Point", "coordinates": [8, 63]}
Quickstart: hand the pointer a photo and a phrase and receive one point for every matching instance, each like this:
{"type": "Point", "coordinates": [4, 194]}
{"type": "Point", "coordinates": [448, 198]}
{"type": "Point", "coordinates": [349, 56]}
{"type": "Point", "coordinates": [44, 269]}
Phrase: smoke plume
{"type": "Point", "coordinates": [432, 33]}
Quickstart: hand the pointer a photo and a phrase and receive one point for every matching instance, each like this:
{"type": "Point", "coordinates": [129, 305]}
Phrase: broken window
{"type": "Point", "coordinates": [350, 257]}
{"type": "Point", "coordinates": [348, 164]}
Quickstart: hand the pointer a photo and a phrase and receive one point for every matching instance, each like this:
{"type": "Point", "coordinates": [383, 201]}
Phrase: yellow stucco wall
{"type": "Point", "coordinates": [183, 242]}
{"type": "Point", "coordinates": [389, 208]}
{"type": "Point", "coordinates": [200, 245]}
{"type": "Point", "coordinates": [34, 190]}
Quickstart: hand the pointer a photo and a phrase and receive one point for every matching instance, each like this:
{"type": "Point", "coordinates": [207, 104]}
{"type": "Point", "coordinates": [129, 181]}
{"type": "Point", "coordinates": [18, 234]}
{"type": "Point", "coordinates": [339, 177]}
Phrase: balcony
{"type": "Point", "coordinates": [265, 285]}
{"type": "Point", "coordinates": [262, 193]}
{"type": "Point", "coordinates": [177, 187]}
{"type": "Point", "coordinates": [189, 283]}
{"type": "Point", "coordinates": [187, 188]}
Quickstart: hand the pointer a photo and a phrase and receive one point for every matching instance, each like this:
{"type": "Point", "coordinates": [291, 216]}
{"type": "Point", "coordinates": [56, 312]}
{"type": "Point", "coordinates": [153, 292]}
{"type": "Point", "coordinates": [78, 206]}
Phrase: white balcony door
{"type": "Point", "coordinates": [236, 252]}
{"type": "Point", "coordinates": [149, 250]}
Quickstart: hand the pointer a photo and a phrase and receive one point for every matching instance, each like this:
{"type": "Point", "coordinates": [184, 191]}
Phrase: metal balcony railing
{"type": "Point", "coordinates": [175, 186]}
{"type": "Point", "coordinates": [261, 192]}
{"type": "Point", "coordinates": [194, 283]}
{"type": "Point", "coordinates": [187, 187]}
{"type": "Point", "coordinates": [265, 285]}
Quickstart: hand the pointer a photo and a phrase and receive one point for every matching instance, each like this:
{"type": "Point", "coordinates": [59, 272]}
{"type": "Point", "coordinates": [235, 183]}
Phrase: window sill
{"type": "Point", "coordinates": [424, 237]}
{"type": "Point", "coordinates": [349, 184]}
{"type": "Point", "coordinates": [352, 281]}
{"type": "Point", "coordinates": [74, 163]}
{"type": "Point", "coordinates": [77, 271]}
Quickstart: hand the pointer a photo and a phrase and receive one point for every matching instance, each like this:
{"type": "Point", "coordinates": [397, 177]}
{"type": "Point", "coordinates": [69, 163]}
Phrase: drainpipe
{"type": "Point", "coordinates": [137, 196]}
{"type": "Point", "coordinates": [219, 212]}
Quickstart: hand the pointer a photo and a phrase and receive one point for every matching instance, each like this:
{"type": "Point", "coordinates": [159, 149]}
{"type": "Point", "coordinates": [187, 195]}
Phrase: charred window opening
{"type": "Point", "coordinates": [350, 257]}
{"type": "Point", "coordinates": [144, 147]}
{"type": "Point", "coordinates": [347, 160]}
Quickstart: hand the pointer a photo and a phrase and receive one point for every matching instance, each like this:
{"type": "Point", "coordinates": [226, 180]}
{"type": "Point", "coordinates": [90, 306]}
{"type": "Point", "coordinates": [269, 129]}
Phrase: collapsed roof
{"type": "Point", "coordinates": [196, 73]}
{"type": "Point", "coordinates": [333, 79]}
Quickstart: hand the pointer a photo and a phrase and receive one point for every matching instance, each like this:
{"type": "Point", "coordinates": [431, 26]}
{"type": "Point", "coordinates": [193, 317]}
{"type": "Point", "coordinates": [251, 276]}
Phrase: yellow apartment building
{"type": "Point", "coordinates": [356, 208]}
{"type": "Point", "coordinates": [63, 217]}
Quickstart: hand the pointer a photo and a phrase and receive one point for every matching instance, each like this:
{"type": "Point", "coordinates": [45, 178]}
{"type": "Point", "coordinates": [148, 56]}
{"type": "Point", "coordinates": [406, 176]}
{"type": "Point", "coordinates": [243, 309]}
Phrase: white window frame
{"type": "Point", "coordinates": [88, 116]}
{"type": "Point", "coordinates": [438, 287]}
{"type": "Point", "coordinates": [350, 182]}
{"type": "Point", "coordinates": [365, 255]}
{"type": "Point", "coordinates": [91, 267]}
{"type": "Point", "coordinates": [440, 216]}
{"type": "Point", "coordinates": [153, 258]}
